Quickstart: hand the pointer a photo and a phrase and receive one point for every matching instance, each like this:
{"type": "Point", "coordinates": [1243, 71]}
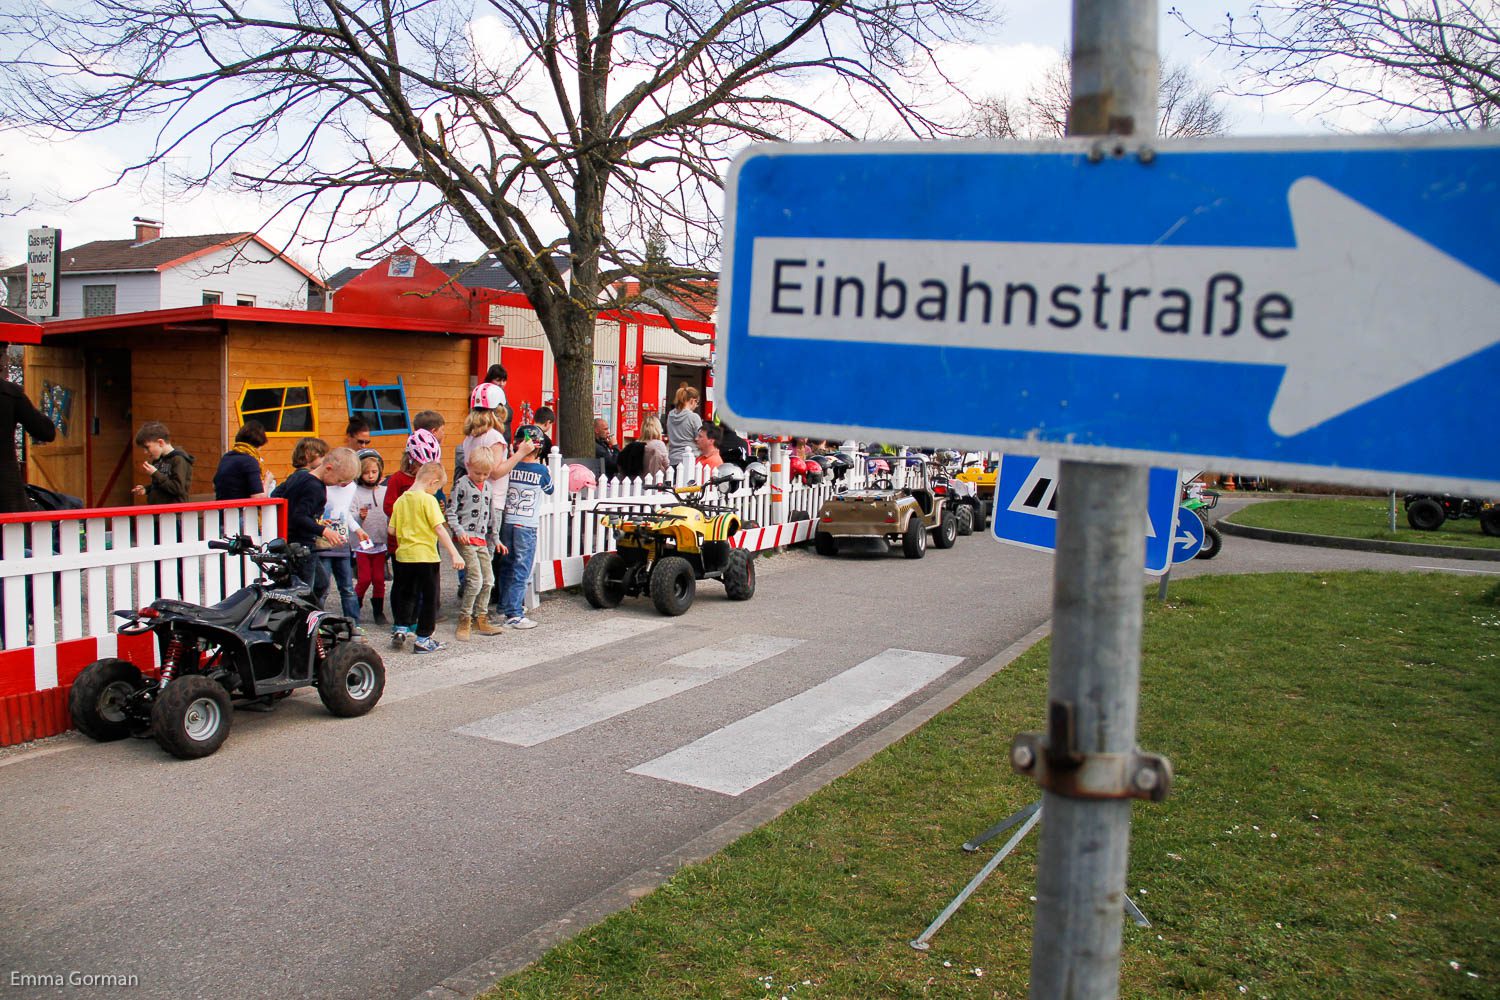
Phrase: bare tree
{"type": "Point", "coordinates": [540, 127]}
{"type": "Point", "coordinates": [1422, 63]}
{"type": "Point", "coordinates": [1187, 108]}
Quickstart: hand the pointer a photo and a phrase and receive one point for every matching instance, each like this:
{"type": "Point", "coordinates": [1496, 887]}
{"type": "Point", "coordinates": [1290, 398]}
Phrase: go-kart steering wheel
{"type": "Point", "coordinates": [883, 483]}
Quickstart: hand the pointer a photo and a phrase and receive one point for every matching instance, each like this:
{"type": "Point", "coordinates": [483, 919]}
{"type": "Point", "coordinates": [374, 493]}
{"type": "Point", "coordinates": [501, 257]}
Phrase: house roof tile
{"type": "Point", "coordinates": [152, 255]}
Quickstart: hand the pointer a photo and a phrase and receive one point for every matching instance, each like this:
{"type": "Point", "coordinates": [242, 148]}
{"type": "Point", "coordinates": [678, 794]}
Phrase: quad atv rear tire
{"type": "Point", "coordinates": [672, 585]}
{"type": "Point", "coordinates": [1212, 542]}
{"type": "Point", "coordinates": [1489, 521]}
{"type": "Point", "coordinates": [914, 538]}
{"type": "Point", "coordinates": [799, 515]}
{"type": "Point", "coordinates": [351, 679]}
{"type": "Point", "coordinates": [191, 717]}
{"type": "Point", "coordinates": [825, 544]}
{"type": "Point", "coordinates": [604, 580]}
{"type": "Point", "coordinates": [739, 575]}
{"type": "Point", "coordinates": [964, 518]}
{"type": "Point", "coordinates": [1426, 514]}
{"type": "Point", "coordinates": [97, 701]}
{"type": "Point", "coordinates": [946, 533]}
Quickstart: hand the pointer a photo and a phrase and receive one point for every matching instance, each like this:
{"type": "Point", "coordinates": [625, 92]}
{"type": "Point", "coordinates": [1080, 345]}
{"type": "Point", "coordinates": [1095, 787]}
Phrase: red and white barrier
{"type": "Point", "coordinates": [64, 573]}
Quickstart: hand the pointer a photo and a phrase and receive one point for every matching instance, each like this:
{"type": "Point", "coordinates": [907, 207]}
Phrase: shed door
{"type": "Point", "coordinates": [55, 383]}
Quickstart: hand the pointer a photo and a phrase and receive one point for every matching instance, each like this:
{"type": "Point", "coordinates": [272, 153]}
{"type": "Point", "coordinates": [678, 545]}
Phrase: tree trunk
{"type": "Point", "coordinates": [575, 386]}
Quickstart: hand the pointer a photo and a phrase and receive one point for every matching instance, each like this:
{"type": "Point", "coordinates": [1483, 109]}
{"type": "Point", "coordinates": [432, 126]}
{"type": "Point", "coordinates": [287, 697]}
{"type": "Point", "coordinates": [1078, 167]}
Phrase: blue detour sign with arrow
{"type": "Point", "coordinates": [1026, 502]}
{"type": "Point", "coordinates": [1316, 303]}
{"type": "Point", "coordinates": [1190, 535]}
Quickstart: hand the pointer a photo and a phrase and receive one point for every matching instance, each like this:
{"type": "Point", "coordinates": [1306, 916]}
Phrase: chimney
{"type": "Point", "coordinates": [146, 229]}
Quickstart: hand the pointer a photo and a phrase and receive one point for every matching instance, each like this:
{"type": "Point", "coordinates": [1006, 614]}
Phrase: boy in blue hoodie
{"type": "Point", "coordinates": [529, 483]}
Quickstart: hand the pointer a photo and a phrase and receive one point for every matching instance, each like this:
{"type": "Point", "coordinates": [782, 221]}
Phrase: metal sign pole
{"type": "Point", "coordinates": [1086, 761]}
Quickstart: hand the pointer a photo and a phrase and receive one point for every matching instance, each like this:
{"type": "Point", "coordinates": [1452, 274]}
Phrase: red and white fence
{"type": "Point", "coordinates": [64, 573]}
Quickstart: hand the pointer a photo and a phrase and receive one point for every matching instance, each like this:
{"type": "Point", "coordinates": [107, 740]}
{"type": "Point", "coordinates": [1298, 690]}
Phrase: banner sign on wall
{"type": "Point", "coordinates": [43, 256]}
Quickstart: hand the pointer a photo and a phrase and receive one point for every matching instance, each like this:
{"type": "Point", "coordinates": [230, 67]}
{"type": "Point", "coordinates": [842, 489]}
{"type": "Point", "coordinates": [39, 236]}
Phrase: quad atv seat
{"type": "Point", "coordinates": [924, 500]}
{"type": "Point", "coordinates": [230, 611]}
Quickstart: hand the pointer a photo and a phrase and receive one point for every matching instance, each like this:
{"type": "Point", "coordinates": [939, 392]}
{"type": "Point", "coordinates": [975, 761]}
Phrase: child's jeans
{"type": "Point", "coordinates": [515, 568]}
{"type": "Point", "coordinates": [371, 575]}
{"type": "Point", "coordinates": [479, 580]}
{"type": "Point", "coordinates": [342, 571]}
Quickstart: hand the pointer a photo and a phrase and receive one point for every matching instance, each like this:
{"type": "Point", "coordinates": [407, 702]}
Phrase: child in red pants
{"type": "Point", "coordinates": [368, 509]}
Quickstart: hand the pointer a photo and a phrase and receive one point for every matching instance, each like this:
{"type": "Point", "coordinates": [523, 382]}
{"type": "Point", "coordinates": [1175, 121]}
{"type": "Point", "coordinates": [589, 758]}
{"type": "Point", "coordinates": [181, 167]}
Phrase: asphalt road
{"type": "Point", "coordinates": [504, 792]}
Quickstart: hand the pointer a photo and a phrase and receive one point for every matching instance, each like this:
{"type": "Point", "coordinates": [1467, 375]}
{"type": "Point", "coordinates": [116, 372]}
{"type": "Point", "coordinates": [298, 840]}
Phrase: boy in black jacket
{"type": "Point", "coordinates": [306, 495]}
{"type": "Point", "coordinates": [170, 469]}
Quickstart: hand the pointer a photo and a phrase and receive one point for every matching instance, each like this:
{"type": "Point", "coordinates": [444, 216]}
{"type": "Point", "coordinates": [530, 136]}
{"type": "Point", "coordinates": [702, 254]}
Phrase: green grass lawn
{"type": "Point", "coordinates": [1334, 829]}
{"type": "Point", "coordinates": [1359, 518]}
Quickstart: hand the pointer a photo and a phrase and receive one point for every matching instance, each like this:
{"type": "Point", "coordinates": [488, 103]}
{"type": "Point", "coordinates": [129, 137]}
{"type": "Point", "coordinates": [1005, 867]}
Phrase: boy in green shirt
{"type": "Point", "coordinates": [417, 523]}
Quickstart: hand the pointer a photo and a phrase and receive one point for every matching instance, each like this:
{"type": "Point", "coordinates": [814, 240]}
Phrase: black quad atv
{"type": "Point", "coordinates": [664, 551]}
{"type": "Point", "coordinates": [1427, 512]}
{"type": "Point", "coordinates": [253, 648]}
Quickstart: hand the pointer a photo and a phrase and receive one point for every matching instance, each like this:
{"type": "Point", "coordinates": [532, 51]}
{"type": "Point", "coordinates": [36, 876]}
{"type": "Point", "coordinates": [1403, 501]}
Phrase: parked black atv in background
{"type": "Point", "coordinates": [1427, 512]}
{"type": "Point", "coordinates": [256, 646]}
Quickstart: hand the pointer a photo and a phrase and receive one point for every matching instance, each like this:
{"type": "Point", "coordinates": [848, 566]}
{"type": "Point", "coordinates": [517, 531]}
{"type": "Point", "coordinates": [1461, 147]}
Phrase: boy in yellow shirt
{"type": "Point", "coordinates": [417, 522]}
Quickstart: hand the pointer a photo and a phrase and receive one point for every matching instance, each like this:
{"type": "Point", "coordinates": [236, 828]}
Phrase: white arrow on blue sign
{"type": "Point", "coordinates": [1026, 499]}
{"type": "Point", "coordinates": [1292, 307]}
{"type": "Point", "coordinates": [1190, 536]}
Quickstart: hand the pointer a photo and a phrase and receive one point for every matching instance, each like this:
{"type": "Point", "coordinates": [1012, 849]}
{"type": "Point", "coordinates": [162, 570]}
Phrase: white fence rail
{"type": "Point", "coordinates": [64, 573]}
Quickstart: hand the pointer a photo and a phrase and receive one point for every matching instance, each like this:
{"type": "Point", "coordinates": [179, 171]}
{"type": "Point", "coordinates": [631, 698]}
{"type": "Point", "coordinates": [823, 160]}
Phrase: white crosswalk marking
{"type": "Point", "coordinates": [743, 754]}
{"type": "Point", "coordinates": [565, 714]}
{"type": "Point", "coordinates": [492, 657]}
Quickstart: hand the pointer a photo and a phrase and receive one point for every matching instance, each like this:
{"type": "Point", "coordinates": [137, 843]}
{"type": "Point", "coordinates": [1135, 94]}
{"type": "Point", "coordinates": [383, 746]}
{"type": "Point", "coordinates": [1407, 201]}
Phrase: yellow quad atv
{"type": "Point", "coordinates": [665, 550]}
{"type": "Point", "coordinates": [981, 479]}
{"type": "Point", "coordinates": [903, 516]}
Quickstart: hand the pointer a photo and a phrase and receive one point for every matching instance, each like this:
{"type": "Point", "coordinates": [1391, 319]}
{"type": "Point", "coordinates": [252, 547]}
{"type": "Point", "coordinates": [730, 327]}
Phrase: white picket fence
{"type": "Point", "coordinates": [64, 573]}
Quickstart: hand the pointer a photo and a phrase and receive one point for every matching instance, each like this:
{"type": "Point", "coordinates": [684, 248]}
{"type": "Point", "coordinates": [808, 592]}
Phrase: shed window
{"type": "Point", "coordinates": [98, 300]}
{"type": "Point", "coordinates": [382, 406]}
{"type": "Point", "coordinates": [287, 408]}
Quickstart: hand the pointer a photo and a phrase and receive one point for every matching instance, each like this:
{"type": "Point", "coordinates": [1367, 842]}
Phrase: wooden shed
{"type": "Point", "coordinates": [203, 370]}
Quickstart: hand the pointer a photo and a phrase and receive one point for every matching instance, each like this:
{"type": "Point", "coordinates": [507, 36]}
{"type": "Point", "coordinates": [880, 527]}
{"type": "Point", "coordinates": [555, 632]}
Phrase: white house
{"type": "Point", "coordinates": [150, 272]}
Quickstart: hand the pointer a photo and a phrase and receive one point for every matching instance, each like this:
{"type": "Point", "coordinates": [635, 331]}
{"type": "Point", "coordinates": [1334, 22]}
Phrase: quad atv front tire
{"type": "Point", "coordinates": [946, 533]}
{"type": "Point", "coordinates": [1426, 514]}
{"type": "Point", "coordinates": [914, 538]}
{"type": "Point", "coordinates": [964, 518]}
{"type": "Point", "coordinates": [1212, 542]}
{"type": "Point", "coordinates": [604, 580]}
{"type": "Point", "coordinates": [191, 717]}
{"type": "Point", "coordinates": [97, 701]}
{"type": "Point", "coordinates": [672, 585]}
{"type": "Point", "coordinates": [351, 679]}
{"type": "Point", "coordinates": [825, 544]}
{"type": "Point", "coordinates": [1489, 521]}
{"type": "Point", "coordinates": [739, 575]}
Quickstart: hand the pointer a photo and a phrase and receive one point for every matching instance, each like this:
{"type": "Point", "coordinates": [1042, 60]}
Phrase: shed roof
{"type": "Point", "coordinates": [216, 319]}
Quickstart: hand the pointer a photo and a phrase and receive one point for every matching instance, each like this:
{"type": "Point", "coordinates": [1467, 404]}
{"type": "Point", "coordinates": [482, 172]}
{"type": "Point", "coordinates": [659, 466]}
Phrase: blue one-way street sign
{"type": "Point", "coordinates": [1295, 307]}
{"type": "Point", "coordinates": [1026, 508]}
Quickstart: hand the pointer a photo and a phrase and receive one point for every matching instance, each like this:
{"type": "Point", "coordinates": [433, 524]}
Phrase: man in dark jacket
{"type": "Point", "coordinates": [604, 449]}
{"type": "Point", "coordinates": [15, 409]}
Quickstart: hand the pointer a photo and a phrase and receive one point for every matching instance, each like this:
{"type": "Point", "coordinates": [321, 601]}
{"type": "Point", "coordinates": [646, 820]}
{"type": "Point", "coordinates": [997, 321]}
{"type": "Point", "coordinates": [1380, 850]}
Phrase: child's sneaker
{"type": "Point", "coordinates": [522, 622]}
{"type": "Point", "coordinates": [427, 644]}
{"type": "Point", "coordinates": [399, 636]}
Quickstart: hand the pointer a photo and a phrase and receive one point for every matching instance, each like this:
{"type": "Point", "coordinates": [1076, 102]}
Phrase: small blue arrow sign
{"type": "Point", "coordinates": [1026, 499]}
{"type": "Point", "coordinates": [1319, 292]}
{"type": "Point", "coordinates": [1190, 535]}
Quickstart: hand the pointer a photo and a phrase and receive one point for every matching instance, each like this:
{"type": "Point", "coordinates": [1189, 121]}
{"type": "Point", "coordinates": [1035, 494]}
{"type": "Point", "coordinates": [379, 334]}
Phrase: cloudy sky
{"type": "Point", "coordinates": [55, 178]}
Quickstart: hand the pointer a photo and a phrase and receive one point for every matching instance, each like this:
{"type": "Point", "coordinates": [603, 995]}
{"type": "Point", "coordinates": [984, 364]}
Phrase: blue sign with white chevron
{"type": "Point", "coordinates": [1026, 508]}
{"type": "Point", "coordinates": [1293, 307]}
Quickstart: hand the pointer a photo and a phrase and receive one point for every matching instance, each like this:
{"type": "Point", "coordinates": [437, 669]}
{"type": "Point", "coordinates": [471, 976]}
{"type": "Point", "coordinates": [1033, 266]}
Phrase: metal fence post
{"type": "Point", "coordinates": [1094, 679]}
